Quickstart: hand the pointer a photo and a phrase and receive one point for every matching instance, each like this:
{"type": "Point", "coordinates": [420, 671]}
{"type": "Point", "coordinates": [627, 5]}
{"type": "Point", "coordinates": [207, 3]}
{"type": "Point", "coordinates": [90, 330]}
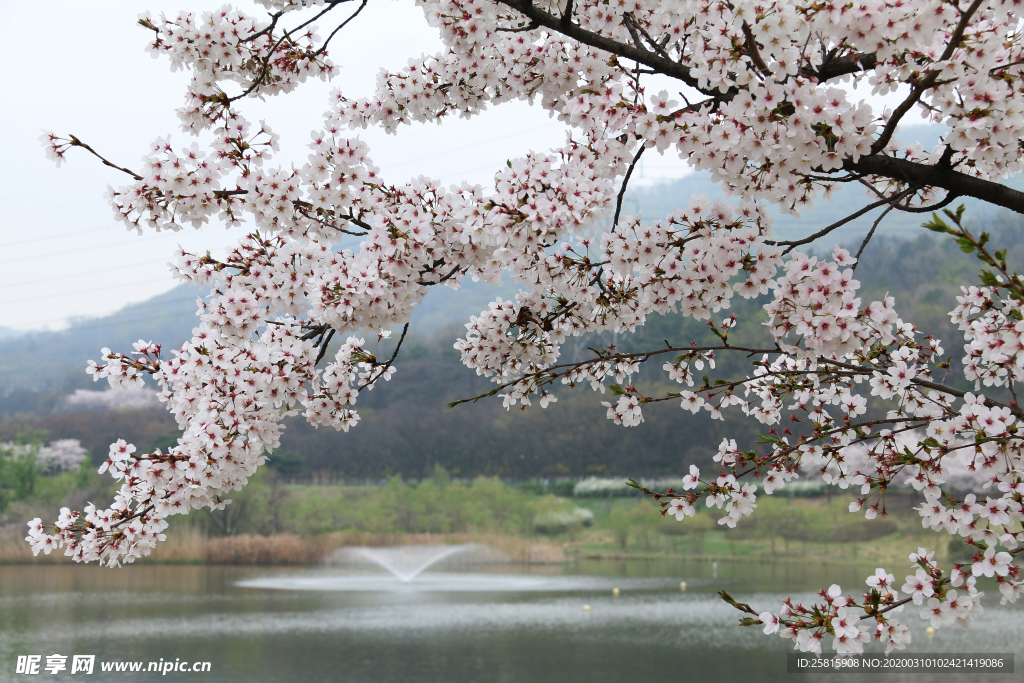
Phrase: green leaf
{"type": "Point", "coordinates": [966, 245]}
{"type": "Point", "coordinates": [988, 278]}
{"type": "Point", "coordinates": [936, 224]}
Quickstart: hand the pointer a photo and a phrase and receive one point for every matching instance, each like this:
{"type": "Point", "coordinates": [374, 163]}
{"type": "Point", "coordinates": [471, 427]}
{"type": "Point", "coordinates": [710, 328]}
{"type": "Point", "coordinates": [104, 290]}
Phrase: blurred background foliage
{"type": "Point", "coordinates": [407, 429]}
{"type": "Point", "coordinates": [414, 466]}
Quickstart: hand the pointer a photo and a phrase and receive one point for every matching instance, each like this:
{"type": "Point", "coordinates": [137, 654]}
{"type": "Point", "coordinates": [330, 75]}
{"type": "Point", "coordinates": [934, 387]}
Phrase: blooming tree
{"type": "Point", "coordinates": [134, 397]}
{"type": "Point", "coordinates": [61, 455]}
{"type": "Point", "coordinates": [756, 94]}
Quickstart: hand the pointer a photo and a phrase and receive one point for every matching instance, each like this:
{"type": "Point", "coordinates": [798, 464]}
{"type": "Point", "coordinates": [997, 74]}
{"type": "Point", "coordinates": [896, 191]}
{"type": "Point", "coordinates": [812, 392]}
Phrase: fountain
{"type": "Point", "coordinates": [407, 566]}
{"type": "Point", "coordinates": [408, 561]}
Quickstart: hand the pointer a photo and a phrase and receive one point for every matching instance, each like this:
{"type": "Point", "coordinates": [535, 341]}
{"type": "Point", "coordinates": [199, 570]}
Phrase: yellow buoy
{"type": "Point", "coordinates": [615, 591]}
{"type": "Point", "coordinates": [930, 631]}
{"type": "Point", "coordinates": [586, 608]}
{"type": "Point", "coordinates": [682, 585]}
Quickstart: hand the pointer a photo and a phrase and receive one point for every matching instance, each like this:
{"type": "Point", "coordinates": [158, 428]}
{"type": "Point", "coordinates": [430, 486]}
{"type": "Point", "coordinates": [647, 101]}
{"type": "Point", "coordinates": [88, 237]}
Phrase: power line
{"type": "Point", "coordinates": [113, 323]}
{"type": "Point", "coordinates": [49, 207]}
{"type": "Point", "coordinates": [142, 305]}
{"type": "Point", "coordinates": [471, 146]}
{"type": "Point", "coordinates": [80, 292]}
{"type": "Point", "coordinates": [75, 251]}
{"type": "Point", "coordinates": [87, 273]}
{"type": "Point", "coordinates": [52, 237]}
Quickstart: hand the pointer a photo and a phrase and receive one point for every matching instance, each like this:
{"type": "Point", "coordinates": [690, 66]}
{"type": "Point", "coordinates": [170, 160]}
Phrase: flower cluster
{"type": "Point", "coordinates": [849, 392]}
{"type": "Point", "coordinates": [851, 624]}
{"type": "Point", "coordinates": [815, 306]}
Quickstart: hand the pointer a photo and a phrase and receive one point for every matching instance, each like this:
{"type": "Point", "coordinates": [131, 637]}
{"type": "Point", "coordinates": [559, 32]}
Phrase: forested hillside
{"type": "Point", "coordinates": [406, 427]}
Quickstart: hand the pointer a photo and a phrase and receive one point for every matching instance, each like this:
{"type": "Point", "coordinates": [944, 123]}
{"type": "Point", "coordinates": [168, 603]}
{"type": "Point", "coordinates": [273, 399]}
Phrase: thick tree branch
{"type": "Point", "coordinates": [752, 51]}
{"type": "Point", "coordinates": [574, 31]}
{"type": "Point", "coordinates": [835, 66]}
{"type": "Point", "coordinates": [925, 175]}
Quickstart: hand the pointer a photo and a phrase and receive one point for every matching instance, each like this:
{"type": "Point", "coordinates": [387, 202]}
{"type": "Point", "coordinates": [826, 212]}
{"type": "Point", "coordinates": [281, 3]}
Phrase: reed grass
{"type": "Point", "coordinates": [188, 546]}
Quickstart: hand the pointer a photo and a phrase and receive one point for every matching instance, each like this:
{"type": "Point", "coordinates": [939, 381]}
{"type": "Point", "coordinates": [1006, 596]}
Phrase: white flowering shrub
{"type": "Point", "coordinates": [56, 456]}
{"type": "Point", "coordinates": [131, 397]}
{"type": "Point", "coordinates": [62, 455]}
{"type": "Point", "coordinates": [557, 521]}
{"type": "Point", "coordinates": [760, 99]}
{"type": "Point", "coordinates": [597, 487]}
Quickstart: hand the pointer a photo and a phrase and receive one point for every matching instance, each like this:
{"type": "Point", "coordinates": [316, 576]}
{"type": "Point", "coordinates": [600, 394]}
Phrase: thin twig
{"type": "Point", "coordinates": [343, 24]}
{"type": "Point", "coordinates": [391, 360]}
{"type": "Point", "coordinates": [625, 182]}
{"type": "Point", "coordinates": [871, 232]}
{"type": "Point", "coordinates": [323, 347]}
{"type": "Point", "coordinates": [265, 66]}
{"type": "Point", "coordinates": [844, 221]}
{"type": "Point", "coordinates": [75, 142]}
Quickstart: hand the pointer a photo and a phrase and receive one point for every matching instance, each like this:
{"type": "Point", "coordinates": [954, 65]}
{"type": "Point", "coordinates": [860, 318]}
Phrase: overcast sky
{"type": "Point", "coordinates": [82, 68]}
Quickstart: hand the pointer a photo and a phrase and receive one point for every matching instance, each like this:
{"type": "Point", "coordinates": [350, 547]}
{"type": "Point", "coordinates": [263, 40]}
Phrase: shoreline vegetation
{"type": "Point", "coordinates": [196, 547]}
{"type": "Point", "coordinates": [273, 521]}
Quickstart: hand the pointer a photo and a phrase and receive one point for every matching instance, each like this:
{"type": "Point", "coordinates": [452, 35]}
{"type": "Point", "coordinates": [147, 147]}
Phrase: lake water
{"type": "Point", "coordinates": [502, 624]}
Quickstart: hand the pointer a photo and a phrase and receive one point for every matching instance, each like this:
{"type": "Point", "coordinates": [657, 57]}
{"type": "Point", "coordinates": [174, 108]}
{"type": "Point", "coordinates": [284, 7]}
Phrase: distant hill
{"type": "Point", "coordinates": [406, 427]}
{"type": "Point", "coordinates": [55, 361]}
{"type": "Point", "coordinates": [661, 199]}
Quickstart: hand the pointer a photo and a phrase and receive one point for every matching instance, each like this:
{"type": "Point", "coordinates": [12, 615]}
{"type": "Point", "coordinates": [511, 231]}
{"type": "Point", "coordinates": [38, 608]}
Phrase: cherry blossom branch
{"type": "Point", "coordinates": [323, 343]}
{"type": "Point", "coordinates": [927, 82]}
{"type": "Point", "coordinates": [835, 65]}
{"type": "Point", "coordinates": [968, 242]}
{"type": "Point", "coordinates": [637, 54]}
{"type": "Point", "coordinates": [857, 214]}
{"type": "Point", "coordinates": [928, 384]}
{"type": "Point", "coordinates": [752, 51]}
{"type": "Point", "coordinates": [609, 358]}
{"type": "Point", "coordinates": [323, 48]}
{"type": "Point", "coordinates": [265, 65]}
